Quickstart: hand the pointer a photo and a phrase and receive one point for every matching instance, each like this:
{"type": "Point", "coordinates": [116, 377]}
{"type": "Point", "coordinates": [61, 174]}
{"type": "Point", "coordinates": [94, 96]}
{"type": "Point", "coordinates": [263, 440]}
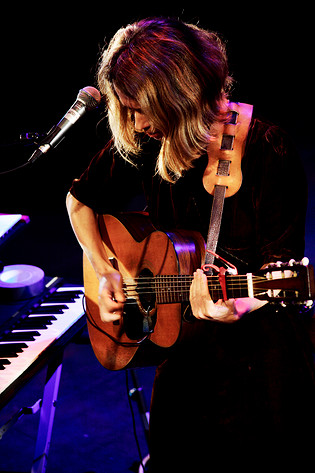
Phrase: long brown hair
{"type": "Point", "coordinates": [178, 73]}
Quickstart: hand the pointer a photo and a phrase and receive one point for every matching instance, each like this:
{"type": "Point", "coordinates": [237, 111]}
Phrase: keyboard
{"type": "Point", "coordinates": [35, 333]}
{"type": "Point", "coordinates": [9, 224]}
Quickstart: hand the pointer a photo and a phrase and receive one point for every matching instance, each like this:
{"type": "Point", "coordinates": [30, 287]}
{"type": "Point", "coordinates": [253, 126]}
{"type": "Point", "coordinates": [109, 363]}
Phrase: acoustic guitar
{"type": "Point", "coordinates": [157, 270]}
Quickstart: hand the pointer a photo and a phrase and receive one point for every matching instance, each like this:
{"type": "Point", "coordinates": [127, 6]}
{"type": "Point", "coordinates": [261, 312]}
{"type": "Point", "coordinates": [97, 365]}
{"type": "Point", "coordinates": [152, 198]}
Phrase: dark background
{"type": "Point", "coordinates": [48, 53]}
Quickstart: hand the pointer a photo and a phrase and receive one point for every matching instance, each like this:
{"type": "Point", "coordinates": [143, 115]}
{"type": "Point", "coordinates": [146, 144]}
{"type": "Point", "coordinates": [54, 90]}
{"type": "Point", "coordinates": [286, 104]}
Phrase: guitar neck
{"type": "Point", "coordinates": [288, 284]}
{"type": "Point", "coordinates": [170, 289]}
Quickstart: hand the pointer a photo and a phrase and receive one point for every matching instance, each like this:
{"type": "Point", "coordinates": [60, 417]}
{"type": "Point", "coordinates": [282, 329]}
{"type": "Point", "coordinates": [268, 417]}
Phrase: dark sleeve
{"type": "Point", "coordinates": [280, 198]}
{"type": "Point", "coordinates": [109, 184]}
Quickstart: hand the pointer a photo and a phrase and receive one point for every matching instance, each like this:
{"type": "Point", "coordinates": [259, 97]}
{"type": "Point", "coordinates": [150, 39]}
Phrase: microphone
{"type": "Point", "coordinates": [87, 99]}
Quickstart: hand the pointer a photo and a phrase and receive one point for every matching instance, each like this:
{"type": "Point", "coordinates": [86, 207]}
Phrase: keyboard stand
{"type": "Point", "coordinates": [50, 354]}
{"type": "Point", "coordinates": [47, 407]}
{"type": "Point", "coordinates": [47, 413]}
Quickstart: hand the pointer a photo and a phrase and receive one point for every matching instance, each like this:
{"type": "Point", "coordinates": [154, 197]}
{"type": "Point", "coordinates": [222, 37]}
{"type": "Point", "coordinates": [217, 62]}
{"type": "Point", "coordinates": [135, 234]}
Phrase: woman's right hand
{"type": "Point", "coordinates": [111, 297]}
{"type": "Point", "coordinates": [85, 225]}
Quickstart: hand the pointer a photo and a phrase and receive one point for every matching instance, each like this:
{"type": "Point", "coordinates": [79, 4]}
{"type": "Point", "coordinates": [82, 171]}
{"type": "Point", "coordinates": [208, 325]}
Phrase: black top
{"type": "Point", "coordinates": [262, 222]}
{"type": "Point", "coordinates": [248, 385]}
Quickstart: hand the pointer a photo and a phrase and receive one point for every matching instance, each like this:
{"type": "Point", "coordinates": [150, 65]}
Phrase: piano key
{"type": "Point", "coordinates": [23, 356]}
{"type": "Point", "coordinates": [50, 309]}
{"type": "Point", "coordinates": [35, 323]}
{"type": "Point", "coordinates": [9, 350]}
{"type": "Point", "coordinates": [4, 363]}
{"type": "Point", "coordinates": [19, 336]}
{"type": "Point", "coordinates": [68, 296]}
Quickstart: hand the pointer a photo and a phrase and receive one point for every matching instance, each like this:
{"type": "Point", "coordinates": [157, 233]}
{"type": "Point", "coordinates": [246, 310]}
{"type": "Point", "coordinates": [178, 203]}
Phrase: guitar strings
{"type": "Point", "coordinates": [170, 286]}
{"type": "Point", "coordinates": [187, 279]}
{"type": "Point", "coordinates": [149, 290]}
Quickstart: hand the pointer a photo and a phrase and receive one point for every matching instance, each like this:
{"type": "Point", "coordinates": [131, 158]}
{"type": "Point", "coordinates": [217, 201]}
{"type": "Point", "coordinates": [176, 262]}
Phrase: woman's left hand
{"type": "Point", "coordinates": [229, 311]}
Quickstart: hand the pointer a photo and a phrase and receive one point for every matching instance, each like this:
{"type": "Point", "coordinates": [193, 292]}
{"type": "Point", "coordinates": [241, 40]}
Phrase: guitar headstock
{"type": "Point", "coordinates": [291, 282]}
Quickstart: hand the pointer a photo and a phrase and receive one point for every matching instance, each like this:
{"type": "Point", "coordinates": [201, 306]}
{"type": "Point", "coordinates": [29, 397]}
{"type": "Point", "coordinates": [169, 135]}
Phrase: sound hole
{"type": "Point", "coordinates": [140, 316]}
{"type": "Point", "coordinates": [146, 290]}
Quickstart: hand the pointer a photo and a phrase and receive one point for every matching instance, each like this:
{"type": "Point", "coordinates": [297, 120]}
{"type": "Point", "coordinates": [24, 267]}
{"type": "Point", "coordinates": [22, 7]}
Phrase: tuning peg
{"type": "Point", "coordinates": [305, 261]}
{"type": "Point", "coordinates": [271, 265]}
{"type": "Point", "coordinates": [309, 304]}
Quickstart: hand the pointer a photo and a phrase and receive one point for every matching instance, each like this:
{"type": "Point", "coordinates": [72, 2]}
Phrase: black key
{"type": "Point", "coordinates": [11, 350]}
{"type": "Point", "coordinates": [35, 323]}
{"type": "Point", "coordinates": [4, 363]}
{"type": "Point", "coordinates": [64, 296]}
{"type": "Point", "coordinates": [20, 336]}
{"type": "Point", "coordinates": [50, 309]}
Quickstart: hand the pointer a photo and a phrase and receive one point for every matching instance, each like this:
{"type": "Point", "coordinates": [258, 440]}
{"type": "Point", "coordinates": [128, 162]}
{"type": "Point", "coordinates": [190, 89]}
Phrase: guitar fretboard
{"type": "Point", "coordinates": [296, 284]}
{"type": "Point", "coordinates": [170, 289]}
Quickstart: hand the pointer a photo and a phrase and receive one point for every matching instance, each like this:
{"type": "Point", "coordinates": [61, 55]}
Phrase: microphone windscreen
{"type": "Point", "coordinates": [90, 96]}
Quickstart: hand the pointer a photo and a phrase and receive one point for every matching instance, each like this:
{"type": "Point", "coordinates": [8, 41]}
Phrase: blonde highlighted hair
{"type": "Point", "coordinates": [178, 74]}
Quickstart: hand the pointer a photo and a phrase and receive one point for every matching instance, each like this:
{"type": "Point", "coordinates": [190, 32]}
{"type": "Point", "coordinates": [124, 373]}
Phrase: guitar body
{"type": "Point", "coordinates": [139, 251]}
{"type": "Point", "coordinates": [157, 269]}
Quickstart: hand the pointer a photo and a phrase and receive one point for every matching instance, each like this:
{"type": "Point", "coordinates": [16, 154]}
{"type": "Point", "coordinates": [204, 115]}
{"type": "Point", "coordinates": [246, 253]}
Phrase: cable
{"type": "Point", "coordinates": [127, 386]}
{"type": "Point", "coordinates": [89, 317]}
{"type": "Point", "coordinates": [3, 173]}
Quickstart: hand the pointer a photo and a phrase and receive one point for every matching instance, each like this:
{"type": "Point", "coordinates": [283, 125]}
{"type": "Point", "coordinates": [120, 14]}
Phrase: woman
{"type": "Point", "coordinates": [246, 383]}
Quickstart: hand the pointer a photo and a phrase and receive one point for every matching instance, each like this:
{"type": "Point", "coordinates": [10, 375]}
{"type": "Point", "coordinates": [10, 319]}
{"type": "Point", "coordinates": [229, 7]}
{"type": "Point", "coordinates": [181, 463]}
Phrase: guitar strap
{"type": "Point", "coordinates": [228, 146]}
